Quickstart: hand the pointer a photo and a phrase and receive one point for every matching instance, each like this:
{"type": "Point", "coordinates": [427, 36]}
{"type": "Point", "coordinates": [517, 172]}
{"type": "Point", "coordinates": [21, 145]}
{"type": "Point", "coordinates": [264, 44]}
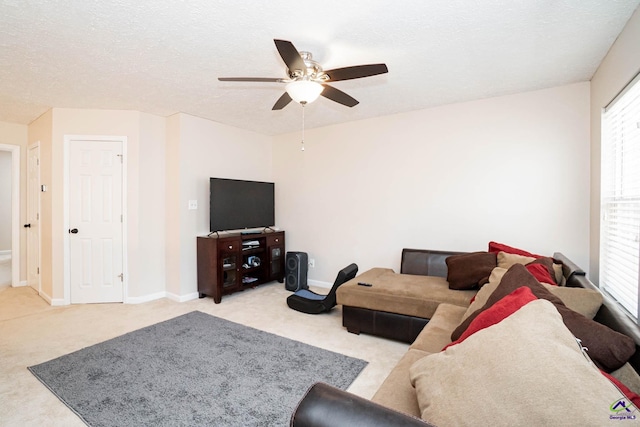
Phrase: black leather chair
{"type": "Point", "coordinates": [328, 406]}
{"type": "Point", "coordinates": [309, 302]}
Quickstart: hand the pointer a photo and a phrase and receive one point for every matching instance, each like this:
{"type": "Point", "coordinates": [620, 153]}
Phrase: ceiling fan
{"type": "Point", "coordinates": [307, 80]}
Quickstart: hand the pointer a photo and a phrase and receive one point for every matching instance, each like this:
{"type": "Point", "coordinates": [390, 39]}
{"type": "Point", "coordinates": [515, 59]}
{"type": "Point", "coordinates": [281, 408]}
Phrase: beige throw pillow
{"type": "Point", "coordinates": [506, 260]}
{"type": "Point", "coordinates": [560, 279]}
{"type": "Point", "coordinates": [585, 301]}
{"type": "Point", "coordinates": [519, 372]}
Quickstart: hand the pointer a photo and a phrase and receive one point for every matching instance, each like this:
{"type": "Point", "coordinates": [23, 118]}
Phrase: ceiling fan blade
{"type": "Point", "coordinates": [282, 102]}
{"type": "Point", "coordinates": [290, 56]}
{"type": "Point", "coordinates": [356, 72]}
{"type": "Point", "coordinates": [338, 96]}
{"type": "Point", "coordinates": [251, 79]}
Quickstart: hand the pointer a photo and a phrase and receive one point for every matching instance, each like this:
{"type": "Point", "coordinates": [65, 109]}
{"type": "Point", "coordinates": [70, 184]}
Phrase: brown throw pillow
{"type": "Point", "coordinates": [466, 271]}
{"type": "Point", "coordinates": [607, 348]}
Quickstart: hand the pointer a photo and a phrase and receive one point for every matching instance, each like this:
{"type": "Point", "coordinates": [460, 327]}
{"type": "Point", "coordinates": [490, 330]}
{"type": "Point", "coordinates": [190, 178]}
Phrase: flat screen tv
{"type": "Point", "coordinates": [237, 204]}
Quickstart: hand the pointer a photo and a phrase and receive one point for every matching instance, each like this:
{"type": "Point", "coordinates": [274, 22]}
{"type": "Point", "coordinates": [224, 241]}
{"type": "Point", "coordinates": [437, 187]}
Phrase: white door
{"type": "Point", "coordinates": [95, 221]}
{"type": "Point", "coordinates": [33, 217]}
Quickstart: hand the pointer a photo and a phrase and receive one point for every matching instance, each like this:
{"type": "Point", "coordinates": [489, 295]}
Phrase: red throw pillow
{"type": "Point", "coordinates": [502, 309]}
{"type": "Point", "coordinates": [633, 397]}
{"type": "Point", "coordinates": [541, 273]}
{"type": "Point", "coordinates": [543, 270]}
{"type": "Point", "coordinates": [496, 247]}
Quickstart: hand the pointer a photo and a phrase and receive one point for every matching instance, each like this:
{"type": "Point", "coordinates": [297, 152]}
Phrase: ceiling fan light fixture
{"type": "Point", "coordinates": [304, 91]}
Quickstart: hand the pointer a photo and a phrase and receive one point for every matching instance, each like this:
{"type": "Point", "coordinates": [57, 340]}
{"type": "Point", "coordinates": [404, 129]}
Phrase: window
{"type": "Point", "coordinates": [620, 198]}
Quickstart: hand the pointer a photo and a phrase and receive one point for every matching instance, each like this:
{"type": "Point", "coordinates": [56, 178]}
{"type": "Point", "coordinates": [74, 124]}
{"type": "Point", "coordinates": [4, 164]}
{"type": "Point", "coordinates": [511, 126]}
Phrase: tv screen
{"type": "Point", "coordinates": [236, 204]}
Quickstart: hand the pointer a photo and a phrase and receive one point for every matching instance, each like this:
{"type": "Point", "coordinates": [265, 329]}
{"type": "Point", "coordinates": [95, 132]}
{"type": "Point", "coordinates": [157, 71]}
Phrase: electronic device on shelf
{"type": "Point", "coordinates": [250, 244]}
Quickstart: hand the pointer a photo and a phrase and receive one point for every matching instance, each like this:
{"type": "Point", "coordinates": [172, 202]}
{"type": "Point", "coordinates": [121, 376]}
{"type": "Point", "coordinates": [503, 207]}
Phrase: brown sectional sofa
{"type": "Point", "coordinates": [417, 306]}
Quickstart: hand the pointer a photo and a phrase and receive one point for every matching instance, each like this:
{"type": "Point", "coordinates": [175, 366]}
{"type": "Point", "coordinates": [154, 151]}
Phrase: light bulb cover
{"type": "Point", "coordinates": [304, 91]}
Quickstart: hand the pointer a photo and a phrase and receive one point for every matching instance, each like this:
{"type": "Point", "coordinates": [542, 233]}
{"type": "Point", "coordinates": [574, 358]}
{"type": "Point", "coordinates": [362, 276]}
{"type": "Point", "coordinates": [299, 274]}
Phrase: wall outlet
{"type": "Point", "coordinates": [193, 205]}
{"type": "Point", "coordinates": [312, 263]}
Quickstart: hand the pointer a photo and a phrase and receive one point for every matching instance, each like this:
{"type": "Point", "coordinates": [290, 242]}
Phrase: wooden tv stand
{"type": "Point", "coordinates": [229, 263]}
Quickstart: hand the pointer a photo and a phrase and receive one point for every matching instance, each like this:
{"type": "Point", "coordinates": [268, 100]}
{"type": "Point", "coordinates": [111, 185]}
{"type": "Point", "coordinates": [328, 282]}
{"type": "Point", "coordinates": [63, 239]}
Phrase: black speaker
{"type": "Point", "coordinates": [296, 265]}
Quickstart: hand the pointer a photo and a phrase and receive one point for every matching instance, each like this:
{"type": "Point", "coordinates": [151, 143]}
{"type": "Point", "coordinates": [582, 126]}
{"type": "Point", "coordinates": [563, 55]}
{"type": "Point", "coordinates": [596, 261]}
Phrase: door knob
{"type": "Point", "coordinates": [27, 226]}
{"type": "Point", "coordinates": [73, 231]}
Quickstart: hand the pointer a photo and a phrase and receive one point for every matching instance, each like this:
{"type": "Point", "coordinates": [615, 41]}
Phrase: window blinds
{"type": "Point", "coordinates": [620, 198]}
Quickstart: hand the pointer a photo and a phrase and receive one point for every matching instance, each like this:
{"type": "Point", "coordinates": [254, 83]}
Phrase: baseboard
{"type": "Point", "coordinates": [319, 284]}
{"type": "Point", "coordinates": [21, 284]}
{"type": "Point", "coordinates": [145, 298]}
{"type": "Point", "coordinates": [129, 300]}
{"type": "Point", "coordinates": [160, 295]}
{"type": "Point", "coordinates": [5, 252]}
{"type": "Point", "coordinates": [182, 298]}
{"type": "Point", "coordinates": [54, 302]}
{"type": "Point", "coordinates": [45, 297]}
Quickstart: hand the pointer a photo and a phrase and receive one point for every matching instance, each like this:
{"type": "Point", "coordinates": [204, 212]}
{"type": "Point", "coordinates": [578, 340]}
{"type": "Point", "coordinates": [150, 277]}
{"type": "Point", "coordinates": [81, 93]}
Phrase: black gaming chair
{"type": "Point", "coordinates": [309, 302]}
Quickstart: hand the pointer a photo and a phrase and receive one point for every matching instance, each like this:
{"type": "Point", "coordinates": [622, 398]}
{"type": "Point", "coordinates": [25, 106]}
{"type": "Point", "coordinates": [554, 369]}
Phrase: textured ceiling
{"type": "Point", "coordinates": [164, 56]}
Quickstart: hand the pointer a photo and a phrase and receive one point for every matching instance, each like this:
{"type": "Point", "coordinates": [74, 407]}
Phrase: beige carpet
{"type": "Point", "coordinates": [32, 332]}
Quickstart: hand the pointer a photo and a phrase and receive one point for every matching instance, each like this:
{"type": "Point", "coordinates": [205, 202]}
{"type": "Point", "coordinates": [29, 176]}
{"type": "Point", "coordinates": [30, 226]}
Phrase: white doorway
{"type": "Point", "coordinates": [32, 224]}
{"type": "Point", "coordinates": [13, 187]}
{"type": "Point", "coordinates": [96, 219]}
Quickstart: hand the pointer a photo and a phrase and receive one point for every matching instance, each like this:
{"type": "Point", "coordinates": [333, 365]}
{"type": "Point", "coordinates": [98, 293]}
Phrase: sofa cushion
{"type": "Point", "coordinates": [608, 349]}
{"type": "Point", "coordinates": [437, 333]}
{"type": "Point", "coordinates": [534, 385]}
{"type": "Point", "coordinates": [396, 391]}
{"type": "Point", "coordinates": [466, 271]}
{"type": "Point", "coordinates": [406, 294]}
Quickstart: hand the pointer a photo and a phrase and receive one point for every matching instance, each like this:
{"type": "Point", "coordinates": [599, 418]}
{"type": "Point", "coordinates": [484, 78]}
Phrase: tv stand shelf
{"type": "Point", "coordinates": [229, 263]}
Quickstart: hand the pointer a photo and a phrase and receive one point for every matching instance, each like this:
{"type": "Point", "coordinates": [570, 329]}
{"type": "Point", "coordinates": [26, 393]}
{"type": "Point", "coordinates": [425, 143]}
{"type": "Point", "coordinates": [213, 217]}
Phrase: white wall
{"type": "Point", "coordinates": [617, 69]}
{"type": "Point", "coordinates": [145, 154]}
{"type": "Point", "coordinates": [5, 200]}
{"type": "Point", "coordinates": [147, 245]}
{"type": "Point", "coordinates": [513, 169]}
{"type": "Point", "coordinates": [198, 149]}
{"type": "Point", "coordinates": [452, 177]}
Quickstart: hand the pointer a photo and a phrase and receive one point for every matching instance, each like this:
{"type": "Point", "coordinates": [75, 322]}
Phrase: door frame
{"type": "Point", "coordinates": [29, 148]}
{"type": "Point", "coordinates": [65, 200]}
{"type": "Point", "coordinates": [15, 213]}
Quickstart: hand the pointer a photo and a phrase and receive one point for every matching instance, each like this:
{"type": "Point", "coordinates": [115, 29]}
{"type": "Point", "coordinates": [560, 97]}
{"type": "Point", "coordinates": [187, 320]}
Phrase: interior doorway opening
{"type": "Point", "coordinates": [9, 215]}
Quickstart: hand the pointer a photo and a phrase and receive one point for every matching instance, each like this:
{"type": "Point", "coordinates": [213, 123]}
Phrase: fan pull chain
{"type": "Point", "coordinates": [302, 142]}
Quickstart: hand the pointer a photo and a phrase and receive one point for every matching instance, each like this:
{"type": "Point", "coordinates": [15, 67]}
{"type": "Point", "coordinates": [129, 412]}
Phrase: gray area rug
{"type": "Point", "coordinates": [193, 370]}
